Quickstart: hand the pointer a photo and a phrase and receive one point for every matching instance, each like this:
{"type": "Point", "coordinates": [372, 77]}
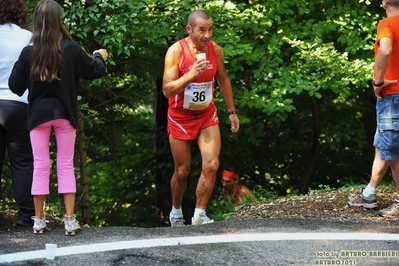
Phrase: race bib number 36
{"type": "Point", "coordinates": [198, 96]}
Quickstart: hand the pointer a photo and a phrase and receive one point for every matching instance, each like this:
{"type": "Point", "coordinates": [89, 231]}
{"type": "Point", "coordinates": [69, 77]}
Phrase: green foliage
{"type": "Point", "coordinates": [264, 194]}
{"type": "Point", "coordinates": [312, 61]}
{"type": "Point", "coordinates": [387, 182]}
{"type": "Point", "coordinates": [220, 210]}
{"type": "Point", "coordinates": [322, 188]}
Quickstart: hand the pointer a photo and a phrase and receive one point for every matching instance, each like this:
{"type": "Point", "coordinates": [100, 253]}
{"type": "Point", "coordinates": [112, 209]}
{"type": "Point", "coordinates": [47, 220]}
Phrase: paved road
{"type": "Point", "coordinates": [253, 242]}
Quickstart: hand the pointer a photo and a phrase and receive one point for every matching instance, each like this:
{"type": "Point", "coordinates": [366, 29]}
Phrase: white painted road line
{"type": "Point", "coordinates": [209, 239]}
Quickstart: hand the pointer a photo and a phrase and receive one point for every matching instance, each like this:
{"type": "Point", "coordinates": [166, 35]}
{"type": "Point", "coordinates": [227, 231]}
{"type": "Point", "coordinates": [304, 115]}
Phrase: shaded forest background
{"type": "Point", "coordinates": [300, 71]}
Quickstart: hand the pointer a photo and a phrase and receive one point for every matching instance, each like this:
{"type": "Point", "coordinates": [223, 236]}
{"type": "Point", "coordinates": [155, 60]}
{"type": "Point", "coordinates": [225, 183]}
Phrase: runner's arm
{"type": "Point", "coordinates": [225, 87]}
{"type": "Point", "coordinates": [172, 84]}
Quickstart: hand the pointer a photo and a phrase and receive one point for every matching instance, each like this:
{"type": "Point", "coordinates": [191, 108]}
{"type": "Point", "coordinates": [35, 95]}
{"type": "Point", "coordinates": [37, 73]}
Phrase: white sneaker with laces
{"type": "Point", "coordinates": [72, 226]}
{"type": "Point", "coordinates": [202, 219]}
{"type": "Point", "coordinates": [176, 221]}
{"type": "Point", "coordinates": [39, 225]}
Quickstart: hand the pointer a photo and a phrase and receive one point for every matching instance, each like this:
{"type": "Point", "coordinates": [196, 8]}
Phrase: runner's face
{"type": "Point", "coordinates": [228, 183]}
{"type": "Point", "coordinates": [201, 33]}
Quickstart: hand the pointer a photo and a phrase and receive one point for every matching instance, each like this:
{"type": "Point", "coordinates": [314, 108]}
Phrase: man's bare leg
{"type": "Point", "coordinates": [378, 171]}
{"type": "Point", "coordinates": [181, 153]}
{"type": "Point", "coordinates": [395, 172]}
{"type": "Point", "coordinates": [393, 209]}
{"type": "Point", "coordinates": [367, 198]}
{"type": "Point", "coordinates": [209, 144]}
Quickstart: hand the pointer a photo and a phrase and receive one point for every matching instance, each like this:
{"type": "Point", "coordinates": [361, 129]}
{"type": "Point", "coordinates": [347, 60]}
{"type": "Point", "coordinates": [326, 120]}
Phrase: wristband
{"type": "Point", "coordinates": [232, 112]}
{"type": "Point", "coordinates": [377, 84]}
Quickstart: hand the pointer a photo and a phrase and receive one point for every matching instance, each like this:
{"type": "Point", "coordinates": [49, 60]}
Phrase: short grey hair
{"type": "Point", "coordinates": [392, 2]}
{"type": "Point", "coordinates": [200, 14]}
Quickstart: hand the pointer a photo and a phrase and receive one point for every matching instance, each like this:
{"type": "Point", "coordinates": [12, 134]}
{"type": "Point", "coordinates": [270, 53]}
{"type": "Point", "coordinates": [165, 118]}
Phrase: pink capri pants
{"type": "Point", "coordinates": [65, 136]}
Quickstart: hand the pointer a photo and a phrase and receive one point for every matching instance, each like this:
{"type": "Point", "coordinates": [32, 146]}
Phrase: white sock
{"type": "Point", "coordinates": [41, 220]}
{"type": "Point", "coordinates": [368, 191]}
{"type": "Point", "coordinates": [176, 212]}
{"type": "Point", "coordinates": [198, 212]}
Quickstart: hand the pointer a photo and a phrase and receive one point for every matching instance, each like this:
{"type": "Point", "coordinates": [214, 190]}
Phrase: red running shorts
{"type": "Point", "coordinates": [186, 124]}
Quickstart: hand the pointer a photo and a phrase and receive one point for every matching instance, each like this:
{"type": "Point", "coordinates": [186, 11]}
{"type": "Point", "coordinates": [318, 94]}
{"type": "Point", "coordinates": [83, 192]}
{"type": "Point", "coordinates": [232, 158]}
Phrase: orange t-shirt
{"type": "Point", "coordinates": [389, 28]}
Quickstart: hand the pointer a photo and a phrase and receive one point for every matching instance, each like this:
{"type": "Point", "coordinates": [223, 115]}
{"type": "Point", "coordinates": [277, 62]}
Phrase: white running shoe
{"type": "Point", "coordinates": [176, 221]}
{"type": "Point", "coordinates": [71, 227]}
{"type": "Point", "coordinates": [202, 219]}
{"type": "Point", "coordinates": [39, 225]}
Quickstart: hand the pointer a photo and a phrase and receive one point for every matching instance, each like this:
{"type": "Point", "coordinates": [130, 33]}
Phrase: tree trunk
{"type": "Point", "coordinates": [163, 199]}
{"type": "Point", "coordinates": [84, 180]}
{"type": "Point", "coordinates": [304, 181]}
{"type": "Point", "coordinates": [262, 169]}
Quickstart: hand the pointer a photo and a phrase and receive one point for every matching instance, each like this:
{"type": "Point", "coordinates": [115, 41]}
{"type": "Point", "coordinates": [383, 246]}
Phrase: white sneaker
{"type": "Point", "coordinates": [39, 225]}
{"type": "Point", "coordinates": [176, 221]}
{"type": "Point", "coordinates": [71, 227]}
{"type": "Point", "coordinates": [202, 219]}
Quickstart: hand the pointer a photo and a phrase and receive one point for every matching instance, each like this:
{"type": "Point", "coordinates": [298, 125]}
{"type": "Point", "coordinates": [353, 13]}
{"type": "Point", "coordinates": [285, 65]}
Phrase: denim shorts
{"type": "Point", "coordinates": [387, 133]}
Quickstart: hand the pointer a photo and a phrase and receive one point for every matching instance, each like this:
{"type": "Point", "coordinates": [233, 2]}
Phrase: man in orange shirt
{"type": "Point", "coordinates": [386, 89]}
